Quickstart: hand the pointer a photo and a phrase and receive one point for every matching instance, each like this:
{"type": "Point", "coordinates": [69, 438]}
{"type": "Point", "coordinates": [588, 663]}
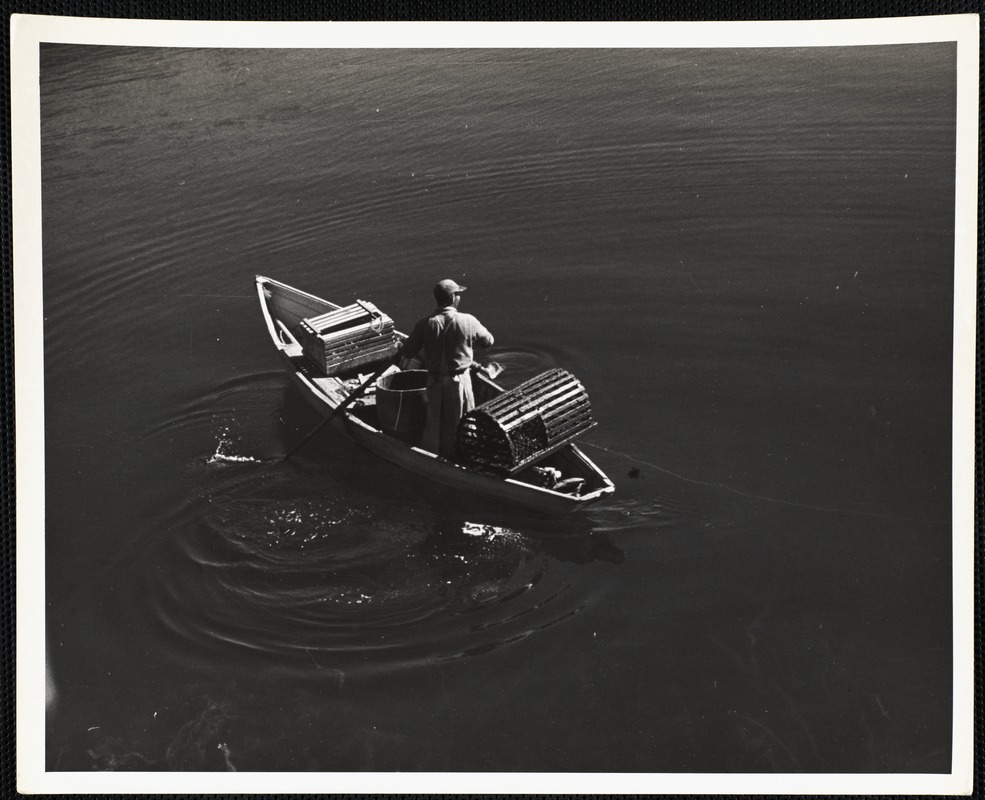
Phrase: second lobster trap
{"type": "Point", "coordinates": [520, 427]}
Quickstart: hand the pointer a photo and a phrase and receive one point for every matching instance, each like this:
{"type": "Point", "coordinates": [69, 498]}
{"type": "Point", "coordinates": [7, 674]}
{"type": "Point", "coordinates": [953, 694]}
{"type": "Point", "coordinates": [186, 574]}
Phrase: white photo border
{"type": "Point", "coordinates": [29, 31]}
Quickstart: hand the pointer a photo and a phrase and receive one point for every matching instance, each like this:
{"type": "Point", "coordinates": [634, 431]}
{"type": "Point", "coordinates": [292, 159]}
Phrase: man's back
{"type": "Point", "coordinates": [447, 337]}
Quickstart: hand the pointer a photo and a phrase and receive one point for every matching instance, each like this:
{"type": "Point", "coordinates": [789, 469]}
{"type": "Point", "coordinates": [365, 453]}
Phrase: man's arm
{"type": "Point", "coordinates": [413, 343]}
{"type": "Point", "coordinates": [411, 347]}
{"type": "Point", "coordinates": [480, 335]}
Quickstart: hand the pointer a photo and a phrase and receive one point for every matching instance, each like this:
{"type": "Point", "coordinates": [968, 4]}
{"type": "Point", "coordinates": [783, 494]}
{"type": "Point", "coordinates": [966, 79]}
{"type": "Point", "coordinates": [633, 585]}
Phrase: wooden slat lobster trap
{"type": "Point", "coordinates": [348, 337]}
{"type": "Point", "coordinates": [519, 427]}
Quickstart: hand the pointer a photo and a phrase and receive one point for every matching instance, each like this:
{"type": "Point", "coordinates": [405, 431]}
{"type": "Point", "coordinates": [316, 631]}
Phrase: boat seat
{"type": "Point", "coordinates": [569, 486]}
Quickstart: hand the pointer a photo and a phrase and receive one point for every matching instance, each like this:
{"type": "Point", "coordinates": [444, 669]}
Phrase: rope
{"type": "Point", "coordinates": [400, 407]}
{"type": "Point", "coordinates": [764, 498]}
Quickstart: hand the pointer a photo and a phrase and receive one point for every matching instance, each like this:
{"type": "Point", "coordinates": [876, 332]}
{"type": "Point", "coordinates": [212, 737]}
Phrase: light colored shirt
{"type": "Point", "coordinates": [447, 337]}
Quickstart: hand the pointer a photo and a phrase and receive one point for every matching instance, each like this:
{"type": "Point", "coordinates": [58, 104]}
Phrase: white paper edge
{"type": "Point", "coordinates": [27, 31]}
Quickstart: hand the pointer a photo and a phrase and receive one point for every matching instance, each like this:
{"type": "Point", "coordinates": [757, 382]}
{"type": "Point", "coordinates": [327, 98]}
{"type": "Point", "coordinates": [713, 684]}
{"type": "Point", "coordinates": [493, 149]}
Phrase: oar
{"type": "Point", "coordinates": [353, 395]}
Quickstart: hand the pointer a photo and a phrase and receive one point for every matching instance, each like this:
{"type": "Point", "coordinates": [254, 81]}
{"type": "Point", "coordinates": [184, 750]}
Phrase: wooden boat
{"type": "Point", "coordinates": [284, 308]}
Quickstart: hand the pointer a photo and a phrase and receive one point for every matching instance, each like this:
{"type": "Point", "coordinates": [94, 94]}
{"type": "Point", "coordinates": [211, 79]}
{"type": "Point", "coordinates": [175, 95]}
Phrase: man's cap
{"type": "Point", "coordinates": [449, 286]}
{"type": "Point", "coordinates": [445, 290]}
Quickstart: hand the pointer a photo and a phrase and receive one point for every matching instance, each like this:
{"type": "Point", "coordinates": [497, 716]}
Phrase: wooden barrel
{"type": "Point", "coordinates": [401, 404]}
{"type": "Point", "coordinates": [522, 426]}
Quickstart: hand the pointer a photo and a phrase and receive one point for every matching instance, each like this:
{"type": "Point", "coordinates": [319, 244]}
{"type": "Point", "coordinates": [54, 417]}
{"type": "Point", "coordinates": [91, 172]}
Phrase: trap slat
{"type": "Point", "coordinates": [562, 385]}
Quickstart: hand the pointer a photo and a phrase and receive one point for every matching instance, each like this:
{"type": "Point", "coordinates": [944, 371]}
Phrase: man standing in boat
{"type": "Point", "coordinates": [446, 337]}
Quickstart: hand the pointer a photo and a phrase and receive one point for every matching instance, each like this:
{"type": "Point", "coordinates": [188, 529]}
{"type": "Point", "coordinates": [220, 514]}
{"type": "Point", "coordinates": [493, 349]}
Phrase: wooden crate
{"type": "Point", "coordinates": [524, 425]}
{"type": "Point", "coordinates": [349, 337]}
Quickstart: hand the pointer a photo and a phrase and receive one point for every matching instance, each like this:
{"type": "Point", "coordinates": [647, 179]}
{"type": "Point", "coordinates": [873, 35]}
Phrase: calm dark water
{"type": "Point", "coordinates": [744, 255]}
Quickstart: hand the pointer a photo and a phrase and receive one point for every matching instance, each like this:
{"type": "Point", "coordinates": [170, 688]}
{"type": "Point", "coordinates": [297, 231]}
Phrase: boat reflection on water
{"type": "Point", "coordinates": [583, 549]}
{"type": "Point", "coordinates": [509, 584]}
{"type": "Point", "coordinates": [474, 554]}
{"type": "Point", "coordinates": [531, 543]}
{"type": "Point", "coordinates": [571, 540]}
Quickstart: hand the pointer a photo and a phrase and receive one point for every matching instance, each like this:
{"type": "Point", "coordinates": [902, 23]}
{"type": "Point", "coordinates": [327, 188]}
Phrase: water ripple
{"type": "Point", "coordinates": [352, 588]}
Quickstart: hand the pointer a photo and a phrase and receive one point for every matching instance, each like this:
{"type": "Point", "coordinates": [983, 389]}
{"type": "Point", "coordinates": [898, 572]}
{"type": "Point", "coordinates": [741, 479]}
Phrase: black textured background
{"type": "Point", "coordinates": [392, 11]}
